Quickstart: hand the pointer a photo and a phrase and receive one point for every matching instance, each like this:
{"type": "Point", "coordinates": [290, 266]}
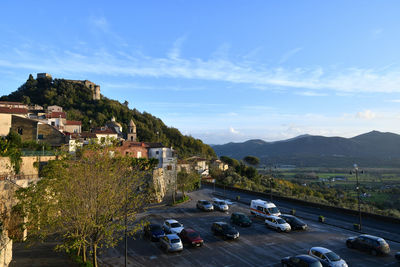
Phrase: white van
{"type": "Point", "coordinates": [263, 208]}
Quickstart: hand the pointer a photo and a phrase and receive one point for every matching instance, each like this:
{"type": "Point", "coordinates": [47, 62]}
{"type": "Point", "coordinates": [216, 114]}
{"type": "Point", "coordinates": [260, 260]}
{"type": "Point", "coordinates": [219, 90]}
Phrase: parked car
{"type": "Point", "coordinates": [225, 230]}
{"type": "Point", "coordinates": [220, 205]}
{"type": "Point", "coordinates": [154, 231]}
{"type": "Point", "coordinates": [301, 261]}
{"type": "Point", "coordinates": [171, 243]}
{"type": "Point", "coordinates": [240, 219]}
{"type": "Point", "coordinates": [172, 226]}
{"type": "Point", "coordinates": [295, 223]}
{"type": "Point", "coordinates": [397, 256]}
{"type": "Point", "coordinates": [192, 237]}
{"type": "Point", "coordinates": [277, 223]}
{"type": "Point", "coordinates": [327, 257]}
{"type": "Point", "coordinates": [263, 208]}
{"type": "Point", "coordinates": [205, 205]}
{"type": "Point", "coordinates": [373, 244]}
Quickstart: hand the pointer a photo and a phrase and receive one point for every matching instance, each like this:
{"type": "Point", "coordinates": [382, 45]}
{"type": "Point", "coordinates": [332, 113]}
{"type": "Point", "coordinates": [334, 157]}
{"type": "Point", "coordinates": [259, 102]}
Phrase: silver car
{"type": "Point", "coordinates": [205, 205]}
{"type": "Point", "coordinates": [171, 243]}
{"type": "Point", "coordinates": [327, 257]}
{"type": "Point", "coordinates": [220, 205]}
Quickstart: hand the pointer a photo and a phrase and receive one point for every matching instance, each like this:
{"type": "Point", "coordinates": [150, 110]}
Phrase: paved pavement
{"type": "Point", "coordinates": [256, 246]}
{"type": "Point", "coordinates": [39, 255]}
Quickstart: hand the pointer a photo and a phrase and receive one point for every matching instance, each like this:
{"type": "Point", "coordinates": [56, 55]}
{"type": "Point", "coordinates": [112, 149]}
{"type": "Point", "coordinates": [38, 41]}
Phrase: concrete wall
{"type": "Point", "coordinates": [5, 249]}
{"type": "Point", "coordinates": [5, 124]}
{"type": "Point", "coordinates": [25, 127]}
{"type": "Point", "coordinates": [50, 135]}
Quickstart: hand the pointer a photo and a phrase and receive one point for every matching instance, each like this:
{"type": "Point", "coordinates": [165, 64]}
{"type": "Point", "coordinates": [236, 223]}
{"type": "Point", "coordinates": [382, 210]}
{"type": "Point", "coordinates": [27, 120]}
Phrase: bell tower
{"type": "Point", "coordinates": [131, 132]}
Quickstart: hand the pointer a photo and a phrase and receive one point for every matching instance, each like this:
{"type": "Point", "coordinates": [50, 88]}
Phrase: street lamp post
{"type": "Point", "coordinates": [356, 170]}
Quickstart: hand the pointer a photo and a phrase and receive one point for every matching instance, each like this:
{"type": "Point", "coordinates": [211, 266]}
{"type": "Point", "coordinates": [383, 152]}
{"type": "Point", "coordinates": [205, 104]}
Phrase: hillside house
{"type": "Point", "coordinates": [7, 110]}
{"type": "Point", "coordinates": [73, 127]}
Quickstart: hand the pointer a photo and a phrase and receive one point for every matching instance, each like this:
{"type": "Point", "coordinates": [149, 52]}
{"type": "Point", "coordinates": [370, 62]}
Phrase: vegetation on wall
{"type": "Point", "coordinates": [76, 100]}
{"type": "Point", "coordinates": [85, 201]}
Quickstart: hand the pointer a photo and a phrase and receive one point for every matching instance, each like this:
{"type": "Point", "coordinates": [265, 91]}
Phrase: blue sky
{"type": "Point", "coordinates": [220, 71]}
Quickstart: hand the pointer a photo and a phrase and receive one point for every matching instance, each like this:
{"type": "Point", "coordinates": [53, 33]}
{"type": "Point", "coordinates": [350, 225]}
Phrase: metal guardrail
{"type": "Point", "coordinates": [38, 153]}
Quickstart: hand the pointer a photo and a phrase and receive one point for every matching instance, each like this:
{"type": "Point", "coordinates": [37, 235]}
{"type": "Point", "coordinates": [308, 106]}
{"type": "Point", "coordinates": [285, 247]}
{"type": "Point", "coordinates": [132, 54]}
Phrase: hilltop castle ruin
{"type": "Point", "coordinates": [92, 86]}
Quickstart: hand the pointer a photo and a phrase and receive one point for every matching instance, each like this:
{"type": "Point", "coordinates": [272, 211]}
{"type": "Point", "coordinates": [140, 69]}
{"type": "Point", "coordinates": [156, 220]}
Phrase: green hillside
{"type": "Point", "coordinates": [76, 99]}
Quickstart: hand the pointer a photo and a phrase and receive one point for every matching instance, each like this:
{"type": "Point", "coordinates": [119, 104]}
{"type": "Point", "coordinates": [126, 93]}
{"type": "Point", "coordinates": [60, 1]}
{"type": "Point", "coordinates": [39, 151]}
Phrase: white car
{"type": "Point", "coordinates": [220, 205]}
{"type": "Point", "coordinates": [327, 257]}
{"type": "Point", "coordinates": [171, 243]}
{"type": "Point", "coordinates": [172, 226]}
{"type": "Point", "coordinates": [277, 223]}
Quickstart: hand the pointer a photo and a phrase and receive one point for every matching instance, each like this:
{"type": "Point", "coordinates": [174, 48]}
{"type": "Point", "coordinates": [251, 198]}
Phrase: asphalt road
{"type": "Point", "coordinates": [256, 246]}
{"type": "Point", "coordinates": [387, 230]}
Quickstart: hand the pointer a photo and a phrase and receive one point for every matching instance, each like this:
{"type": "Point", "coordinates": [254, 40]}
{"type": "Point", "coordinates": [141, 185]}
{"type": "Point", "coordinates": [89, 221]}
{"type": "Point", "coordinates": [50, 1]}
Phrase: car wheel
{"type": "Point", "coordinates": [284, 265]}
{"type": "Point", "coordinates": [279, 229]}
{"type": "Point", "coordinates": [349, 245]}
{"type": "Point", "coordinates": [373, 252]}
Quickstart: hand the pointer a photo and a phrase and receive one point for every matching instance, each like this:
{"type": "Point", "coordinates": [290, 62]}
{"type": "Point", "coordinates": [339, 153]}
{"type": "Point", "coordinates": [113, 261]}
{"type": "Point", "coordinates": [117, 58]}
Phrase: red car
{"type": "Point", "coordinates": [190, 236]}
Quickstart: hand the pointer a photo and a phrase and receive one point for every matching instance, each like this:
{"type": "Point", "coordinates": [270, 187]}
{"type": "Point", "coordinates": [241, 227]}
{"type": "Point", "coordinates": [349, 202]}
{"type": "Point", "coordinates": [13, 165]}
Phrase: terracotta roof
{"type": "Point", "coordinates": [73, 123]}
{"type": "Point", "coordinates": [104, 131]}
{"type": "Point", "coordinates": [11, 103]}
{"type": "Point", "coordinates": [154, 145]}
{"type": "Point", "coordinates": [10, 110]}
{"type": "Point", "coordinates": [83, 135]}
{"type": "Point", "coordinates": [53, 115]}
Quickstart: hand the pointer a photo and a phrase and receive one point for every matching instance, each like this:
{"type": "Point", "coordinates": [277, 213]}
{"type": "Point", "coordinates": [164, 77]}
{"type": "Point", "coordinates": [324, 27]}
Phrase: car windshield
{"type": "Point", "coordinates": [175, 240]}
{"type": "Point", "coordinates": [332, 256]}
{"type": "Point", "coordinates": [227, 227]}
{"type": "Point", "coordinates": [273, 210]}
{"type": "Point", "coordinates": [382, 242]}
{"type": "Point", "coordinates": [243, 217]}
{"type": "Point", "coordinates": [175, 225]}
{"type": "Point", "coordinates": [298, 221]}
{"type": "Point", "coordinates": [155, 227]}
{"type": "Point", "coordinates": [193, 235]}
{"type": "Point", "coordinates": [280, 221]}
{"type": "Point", "coordinates": [206, 203]}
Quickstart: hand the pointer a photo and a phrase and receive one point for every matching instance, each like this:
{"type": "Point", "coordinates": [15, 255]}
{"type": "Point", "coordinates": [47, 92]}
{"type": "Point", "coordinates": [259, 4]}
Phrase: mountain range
{"type": "Point", "coordinates": [373, 149]}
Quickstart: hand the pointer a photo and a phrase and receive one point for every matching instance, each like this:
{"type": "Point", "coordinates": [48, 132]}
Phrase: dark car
{"type": "Point", "coordinates": [192, 237]}
{"type": "Point", "coordinates": [397, 256]}
{"type": "Point", "coordinates": [301, 261]}
{"type": "Point", "coordinates": [225, 230]}
{"type": "Point", "coordinates": [295, 223]}
{"type": "Point", "coordinates": [373, 244]}
{"type": "Point", "coordinates": [154, 231]}
{"type": "Point", "coordinates": [240, 219]}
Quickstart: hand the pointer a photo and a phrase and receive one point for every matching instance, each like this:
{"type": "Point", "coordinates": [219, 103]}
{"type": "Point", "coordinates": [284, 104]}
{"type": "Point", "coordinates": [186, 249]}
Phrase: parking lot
{"type": "Point", "coordinates": [256, 246]}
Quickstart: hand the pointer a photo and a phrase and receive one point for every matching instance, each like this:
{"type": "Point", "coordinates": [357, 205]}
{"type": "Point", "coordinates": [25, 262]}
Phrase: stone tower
{"type": "Point", "coordinates": [131, 132]}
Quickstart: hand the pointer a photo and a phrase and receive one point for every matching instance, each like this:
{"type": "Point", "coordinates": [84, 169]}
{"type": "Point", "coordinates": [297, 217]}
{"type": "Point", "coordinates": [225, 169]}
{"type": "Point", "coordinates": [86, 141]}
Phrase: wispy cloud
{"type": "Point", "coordinates": [311, 93]}
{"type": "Point", "coordinates": [289, 54]}
{"type": "Point", "coordinates": [366, 114]}
{"type": "Point", "coordinates": [135, 64]}
{"type": "Point", "coordinates": [175, 52]}
{"type": "Point", "coordinates": [233, 131]}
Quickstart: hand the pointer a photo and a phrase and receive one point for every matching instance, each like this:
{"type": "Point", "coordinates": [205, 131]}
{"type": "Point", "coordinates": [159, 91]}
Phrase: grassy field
{"type": "Point", "coordinates": [380, 187]}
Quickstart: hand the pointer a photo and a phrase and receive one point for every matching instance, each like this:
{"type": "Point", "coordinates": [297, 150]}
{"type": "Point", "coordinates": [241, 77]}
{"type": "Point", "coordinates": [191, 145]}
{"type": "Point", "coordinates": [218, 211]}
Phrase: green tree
{"type": "Point", "coordinates": [187, 181]}
{"type": "Point", "coordinates": [251, 160]}
{"type": "Point", "coordinates": [85, 201]}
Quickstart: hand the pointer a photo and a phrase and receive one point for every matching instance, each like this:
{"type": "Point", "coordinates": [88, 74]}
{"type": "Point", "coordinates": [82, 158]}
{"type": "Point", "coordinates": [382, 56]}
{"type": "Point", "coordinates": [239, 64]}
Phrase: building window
{"type": "Point", "coordinates": [53, 123]}
{"type": "Point", "coordinates": [20, 130]}
{"type": "Point", "coordinates": [157, 152]}
{"type": "Point", "coordinates": [132, 138]}
{"type": "Point", "coordinates": [40, 136]}
{"type": "Point", "coordinates": [169, 167]}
